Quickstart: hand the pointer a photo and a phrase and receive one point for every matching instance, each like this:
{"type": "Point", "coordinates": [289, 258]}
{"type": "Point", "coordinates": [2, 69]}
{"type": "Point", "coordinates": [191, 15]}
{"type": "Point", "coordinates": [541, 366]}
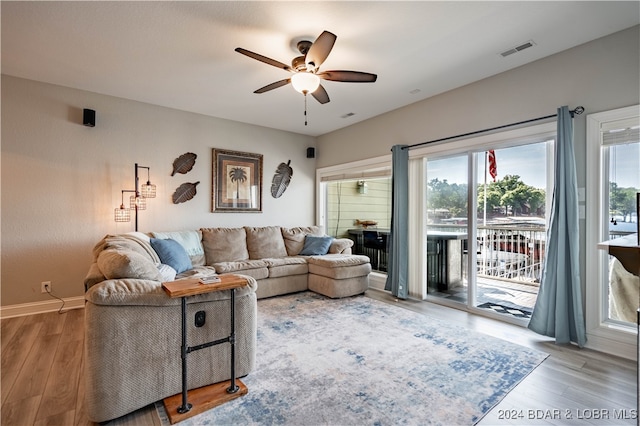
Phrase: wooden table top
{"type": "Point", "coordinates": [192, 286]}
{"type": "Point", "coordinates": [626, 250]}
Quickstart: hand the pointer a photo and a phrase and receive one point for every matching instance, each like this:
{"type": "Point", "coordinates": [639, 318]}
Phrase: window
{"type": "Point", "coordinates": [355, 203]}
{"type": "Point", "coordinates": [613, 179]}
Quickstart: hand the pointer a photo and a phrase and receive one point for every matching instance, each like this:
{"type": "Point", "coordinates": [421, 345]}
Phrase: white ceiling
{"type": "Point", "coordinates": [181, 54]}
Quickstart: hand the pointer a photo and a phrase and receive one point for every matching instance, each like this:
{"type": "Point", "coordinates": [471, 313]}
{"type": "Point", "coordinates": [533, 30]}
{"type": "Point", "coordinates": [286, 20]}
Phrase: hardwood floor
{"type": "Point", "coordinates": [42, 383]}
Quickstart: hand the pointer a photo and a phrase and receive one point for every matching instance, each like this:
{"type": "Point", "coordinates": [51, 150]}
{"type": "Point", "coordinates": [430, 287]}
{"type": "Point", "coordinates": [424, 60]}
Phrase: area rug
{"type": "Point", "coordinates": [359, 361]}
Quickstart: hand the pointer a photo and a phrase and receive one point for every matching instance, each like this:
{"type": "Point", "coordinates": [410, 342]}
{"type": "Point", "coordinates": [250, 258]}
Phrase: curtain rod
{"type": "Point", "coordinates": [579, 110]}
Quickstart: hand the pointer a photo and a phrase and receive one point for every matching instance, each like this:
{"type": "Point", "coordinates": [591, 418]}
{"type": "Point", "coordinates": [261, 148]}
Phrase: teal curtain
{"type": "Point", "coordinates": [397, 242]}
{"type": "Point", "coordinates": [558, 311]}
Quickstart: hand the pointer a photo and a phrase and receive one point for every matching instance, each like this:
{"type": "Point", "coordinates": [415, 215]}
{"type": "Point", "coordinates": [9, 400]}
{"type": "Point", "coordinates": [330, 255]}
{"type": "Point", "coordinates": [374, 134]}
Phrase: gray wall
{"type": "Point", "coordinates": [61, 181]}
{"type": "Point", "coordinates": [600, 75]}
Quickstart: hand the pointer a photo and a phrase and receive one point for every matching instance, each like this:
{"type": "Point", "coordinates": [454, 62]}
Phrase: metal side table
{"type": "Point", "coordinates": [204, 398]}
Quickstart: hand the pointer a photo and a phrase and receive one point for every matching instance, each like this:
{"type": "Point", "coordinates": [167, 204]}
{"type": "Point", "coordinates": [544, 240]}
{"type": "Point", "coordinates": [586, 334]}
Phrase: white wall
{"type": "Point", "coordinates": [61, 180]}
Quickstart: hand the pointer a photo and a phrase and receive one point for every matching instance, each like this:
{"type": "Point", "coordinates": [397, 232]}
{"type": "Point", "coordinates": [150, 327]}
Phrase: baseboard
{"type": "Point", "coordinates": [40, 307]}
{"type": "Point", "coordinates": [377, 280]}
{"type": "Point", "coordinates": [627, 350]}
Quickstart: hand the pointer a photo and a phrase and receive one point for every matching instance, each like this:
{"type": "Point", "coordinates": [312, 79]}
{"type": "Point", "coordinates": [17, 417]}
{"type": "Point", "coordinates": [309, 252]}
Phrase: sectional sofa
{"type": "Point", "coordinates": [132, 328]}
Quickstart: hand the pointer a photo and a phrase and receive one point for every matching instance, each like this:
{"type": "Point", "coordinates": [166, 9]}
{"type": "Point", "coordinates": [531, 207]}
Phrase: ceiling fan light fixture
{"type": "Point", "coordinates": [305, 82]}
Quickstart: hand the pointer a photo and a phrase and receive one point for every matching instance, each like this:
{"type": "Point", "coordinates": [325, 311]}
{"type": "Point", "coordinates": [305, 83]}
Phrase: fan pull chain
{"type": "Point", "coordinates": [305, 109]}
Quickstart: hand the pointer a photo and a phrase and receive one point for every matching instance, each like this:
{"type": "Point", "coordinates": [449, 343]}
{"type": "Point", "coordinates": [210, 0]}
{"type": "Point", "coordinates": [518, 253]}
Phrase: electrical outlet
{"type": "Point", "coordinates": [44, 286]}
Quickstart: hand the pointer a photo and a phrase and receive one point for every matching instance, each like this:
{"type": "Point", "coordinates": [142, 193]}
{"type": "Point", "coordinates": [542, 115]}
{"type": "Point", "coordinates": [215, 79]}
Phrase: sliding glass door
{"type": "Point", "coordinates": [511, 227]}
{"type": "Point", "coordinates": [499, 197]}
{"type": "Point", "coordinates": [447, 219]}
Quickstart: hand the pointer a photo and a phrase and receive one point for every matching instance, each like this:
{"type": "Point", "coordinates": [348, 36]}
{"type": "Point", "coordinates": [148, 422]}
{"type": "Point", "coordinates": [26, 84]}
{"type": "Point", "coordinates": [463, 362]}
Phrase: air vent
{"type": "Point", "coordinates": [517, 49]}
{"type": "Point", "coordinates": [349, 114]}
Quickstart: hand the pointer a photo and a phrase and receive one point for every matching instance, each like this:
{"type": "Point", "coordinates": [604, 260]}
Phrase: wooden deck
{"type": "Point", "coordinates": [507, 293]}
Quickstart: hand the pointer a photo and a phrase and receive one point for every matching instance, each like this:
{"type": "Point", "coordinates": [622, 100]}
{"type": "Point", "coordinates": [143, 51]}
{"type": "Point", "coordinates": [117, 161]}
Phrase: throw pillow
{"type": "Point", "coordinates": [116, 264]}
{"type": "Point", "coordinates": [172, 253]}
{"type": "Point", "coordinates": [314, 246]}
{"type": "Point", "coordinates": [166, 272]}
{"type": "Point", "coordinates": [294, 237]}
{"type": "Point", "coordinates": [340, 245]}
{"type": "Point", "coordinates": [190, 240]}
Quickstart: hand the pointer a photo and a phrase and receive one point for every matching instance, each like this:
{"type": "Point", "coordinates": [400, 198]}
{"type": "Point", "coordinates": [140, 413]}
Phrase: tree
{"type": "Point", "coordinates": [512, 195]}
{"type": "Point", "coordinates": [622, 201]}
{"type": "Point", "coordinates": [509, 193]}
{"type": "Point", "coordinates": [237, 175]}
{"type": "Point", "coordinates": [443, 195]}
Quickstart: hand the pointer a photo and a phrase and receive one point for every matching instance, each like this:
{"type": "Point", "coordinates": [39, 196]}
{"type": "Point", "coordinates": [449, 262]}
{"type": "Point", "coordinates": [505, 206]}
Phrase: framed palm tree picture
{"type": "Point", "coordinates": [237, 181]}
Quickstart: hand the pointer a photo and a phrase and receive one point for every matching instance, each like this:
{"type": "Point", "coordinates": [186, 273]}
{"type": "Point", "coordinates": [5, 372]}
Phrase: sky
{"type": "Point", "coordinates": [626, 170]}
{"type": "Point", "coordinates": [529, 162]}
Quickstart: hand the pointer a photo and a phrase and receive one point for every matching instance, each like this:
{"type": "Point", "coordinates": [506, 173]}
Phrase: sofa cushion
{"type": "Point", "coordinates": [197, 271]}
{"type": "Point", "coordinates": [287, 266]}
{"type": "Point", "coordinates": [314, 245]}
{"type": "Point", "coordinates": [294, 237]}
{"type": "Point", "coordinates": [342, 273]}
{"type": "Point", "coordinates": [265, 242]}
{"type": "Point", "coordinates": [224, 245]}
{"type": "Point", "coordinates": [127, 264]}
{"type": "Point", "coordinates": [172, 253]}
{"type": "Point", "coordinates": [253, 268]}
{"type": "Point", "coordinates": [190, 240]}
{"type": "Point", "coordinates": [338, 261]}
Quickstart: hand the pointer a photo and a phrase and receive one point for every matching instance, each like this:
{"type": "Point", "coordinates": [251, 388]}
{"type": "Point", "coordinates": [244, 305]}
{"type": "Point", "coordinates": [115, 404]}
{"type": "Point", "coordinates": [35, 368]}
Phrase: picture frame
{"type": "Point", "coordinates": [237, 181]}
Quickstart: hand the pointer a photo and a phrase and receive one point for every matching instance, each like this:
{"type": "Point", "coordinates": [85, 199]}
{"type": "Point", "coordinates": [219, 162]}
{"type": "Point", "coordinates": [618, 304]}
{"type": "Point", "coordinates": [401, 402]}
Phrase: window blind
{"type": "Point", "coordinates": [380, 173]}
{"type": "Point", "coordinates": [621, 131]}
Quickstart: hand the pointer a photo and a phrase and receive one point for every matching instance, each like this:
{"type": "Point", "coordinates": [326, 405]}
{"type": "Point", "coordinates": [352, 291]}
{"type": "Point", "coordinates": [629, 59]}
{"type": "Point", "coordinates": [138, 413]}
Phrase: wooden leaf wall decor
{"type": "Point", "coordinates": [281, 179]}
{"type": "Point", "coordinates": [184, 192]}
{"type": "Point", "coordinates": [184, 163]}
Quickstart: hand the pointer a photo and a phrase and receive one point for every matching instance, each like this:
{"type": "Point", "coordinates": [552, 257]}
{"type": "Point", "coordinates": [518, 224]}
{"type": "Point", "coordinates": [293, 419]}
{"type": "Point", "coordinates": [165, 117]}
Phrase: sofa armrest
{"type": "Point", "coordinates": [138, 292]}
{"type": "Point", "coordinates": [341, 246]}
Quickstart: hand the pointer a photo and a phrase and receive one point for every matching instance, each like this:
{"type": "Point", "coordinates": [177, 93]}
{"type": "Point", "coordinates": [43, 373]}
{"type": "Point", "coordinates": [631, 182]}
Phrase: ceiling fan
{"type": "Point", "coordinates": [305, 68]}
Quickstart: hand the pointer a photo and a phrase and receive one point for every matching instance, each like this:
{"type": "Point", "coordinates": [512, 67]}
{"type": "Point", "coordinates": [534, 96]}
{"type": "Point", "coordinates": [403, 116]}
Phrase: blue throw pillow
{"type": "Point", "coordinates": [172, 253]}
{"type": "Point", "coordinates": [314, 246]}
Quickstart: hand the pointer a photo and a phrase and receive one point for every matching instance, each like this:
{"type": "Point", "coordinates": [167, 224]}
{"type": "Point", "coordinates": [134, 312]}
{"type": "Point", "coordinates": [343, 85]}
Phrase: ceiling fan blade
{"type": "Point", "coordinates": [321, 95]}
{"type": "Point", "coordinates": [274, 85]}
{"type": "Point", "coordinates": [348, 76]}
{"type": "Point", "coordinates": [262, 58]}
{"type": "Point", "coordinates": [319, 50]}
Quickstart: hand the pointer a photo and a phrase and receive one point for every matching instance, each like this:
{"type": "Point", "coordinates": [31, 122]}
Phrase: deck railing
{"type": "Point", "coordinates": [510, 251]}
{"type": "Point", "coordinates": [514, 252]}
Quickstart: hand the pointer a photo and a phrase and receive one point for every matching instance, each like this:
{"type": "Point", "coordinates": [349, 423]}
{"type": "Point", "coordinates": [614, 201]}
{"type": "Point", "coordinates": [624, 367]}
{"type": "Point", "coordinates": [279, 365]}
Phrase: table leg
{"type": "Point", "coordinates": [233, 388]}
{"type": "Point", "coordinates": [185, 405]}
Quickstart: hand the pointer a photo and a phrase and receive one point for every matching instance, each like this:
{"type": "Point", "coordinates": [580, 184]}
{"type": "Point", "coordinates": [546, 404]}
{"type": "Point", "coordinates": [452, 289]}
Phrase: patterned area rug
{"type": "Point", "coordinates": [359, 361]}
